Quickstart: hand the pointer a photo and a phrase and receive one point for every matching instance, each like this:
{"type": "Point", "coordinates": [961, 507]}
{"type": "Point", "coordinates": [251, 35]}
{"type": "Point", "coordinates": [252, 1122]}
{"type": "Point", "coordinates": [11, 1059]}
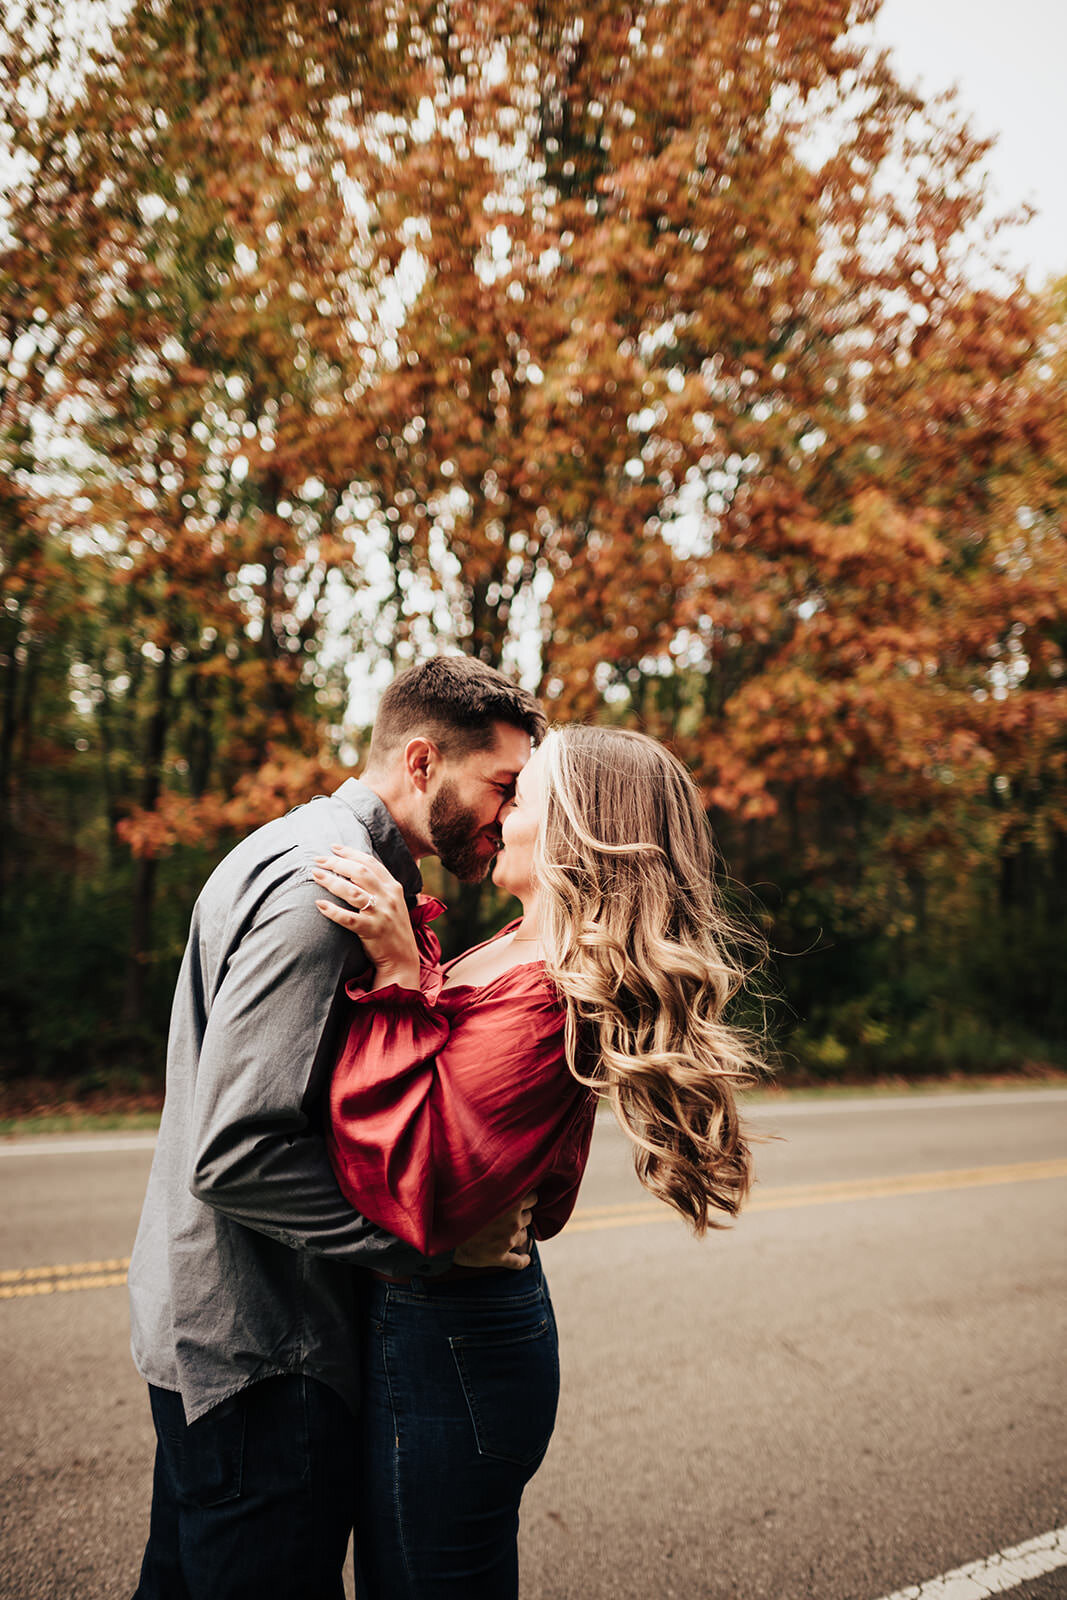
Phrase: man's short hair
{"type": "Point", "coordinates": [454, 700]}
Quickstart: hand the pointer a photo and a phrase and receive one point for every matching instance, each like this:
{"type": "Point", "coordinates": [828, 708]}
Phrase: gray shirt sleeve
{"type": "Point", "coordinates": [258, 1157]}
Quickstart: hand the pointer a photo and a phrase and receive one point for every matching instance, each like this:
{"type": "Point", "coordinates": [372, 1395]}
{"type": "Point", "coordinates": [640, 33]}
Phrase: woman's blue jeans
{"type": "Point", "coordinates": [460, 1385]}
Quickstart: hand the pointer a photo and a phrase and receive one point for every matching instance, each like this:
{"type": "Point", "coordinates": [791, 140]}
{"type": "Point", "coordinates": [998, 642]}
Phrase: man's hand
{"type": "Point", "coordinates": [502, 1242]}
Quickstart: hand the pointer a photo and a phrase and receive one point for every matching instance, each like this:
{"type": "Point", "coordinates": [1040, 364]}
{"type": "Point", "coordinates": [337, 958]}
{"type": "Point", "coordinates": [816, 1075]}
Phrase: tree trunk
{"type": "Point", "coordinates": [7, 750]}
{"type": "Point", "coordinates": [144, 883]}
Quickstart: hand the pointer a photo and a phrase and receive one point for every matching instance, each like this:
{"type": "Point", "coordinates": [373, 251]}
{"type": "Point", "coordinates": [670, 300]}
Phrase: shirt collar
{"type": "Point", "coordinates": [386, 837]}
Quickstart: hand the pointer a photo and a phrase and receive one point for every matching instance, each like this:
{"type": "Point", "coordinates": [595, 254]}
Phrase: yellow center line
{"type": "Point", "coordinates": [20, 1291]}
{"type": "Point", "coordinates": [19, 1282]}
{"type": "Point", "coordinates": [70, 1269]}
{"type": "Point", "coordinates": [591, 1218]}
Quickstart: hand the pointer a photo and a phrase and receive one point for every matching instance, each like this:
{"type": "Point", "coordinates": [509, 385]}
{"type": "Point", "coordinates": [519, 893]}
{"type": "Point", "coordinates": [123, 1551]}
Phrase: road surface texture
{"type": "Point", "coordinates": [856, 1390]}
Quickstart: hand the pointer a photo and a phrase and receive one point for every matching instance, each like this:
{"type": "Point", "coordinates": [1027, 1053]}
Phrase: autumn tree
{"type": "Point", "coordinates": [698, 342]}
{"type": "Point", "coordinates": [188, 234]}
{"type": "Point", "coordinates": [657, 350]}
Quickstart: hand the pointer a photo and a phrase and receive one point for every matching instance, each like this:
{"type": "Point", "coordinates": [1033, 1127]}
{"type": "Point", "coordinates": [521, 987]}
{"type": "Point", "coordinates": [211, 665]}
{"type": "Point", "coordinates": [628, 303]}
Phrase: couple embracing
{"type": "Point", "coordinates": [336, 1295]}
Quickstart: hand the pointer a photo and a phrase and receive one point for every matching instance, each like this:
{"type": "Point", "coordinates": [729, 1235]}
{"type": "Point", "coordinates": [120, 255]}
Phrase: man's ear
{"type": "Point", "coordinates": [422, 762]}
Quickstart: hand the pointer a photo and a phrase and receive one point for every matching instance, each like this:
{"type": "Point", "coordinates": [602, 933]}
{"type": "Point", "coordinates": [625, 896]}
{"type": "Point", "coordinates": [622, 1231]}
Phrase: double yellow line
{"type": "Point", "coordinates": [18, 1282]}
{"type": "Point", "coordinates": [788, 1197]}
{"type": "Point", "coordinates": [23, 1281]}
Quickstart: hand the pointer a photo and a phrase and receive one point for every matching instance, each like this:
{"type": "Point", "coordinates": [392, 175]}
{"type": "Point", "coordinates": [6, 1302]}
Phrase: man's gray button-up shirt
{"type": "Point", "coordinates": [242, 1267]}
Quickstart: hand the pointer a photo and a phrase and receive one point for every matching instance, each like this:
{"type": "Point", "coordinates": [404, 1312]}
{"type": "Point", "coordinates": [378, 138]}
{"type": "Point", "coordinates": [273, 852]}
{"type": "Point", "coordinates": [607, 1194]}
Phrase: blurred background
{"type": "Point", "coordinates": [670, 356]}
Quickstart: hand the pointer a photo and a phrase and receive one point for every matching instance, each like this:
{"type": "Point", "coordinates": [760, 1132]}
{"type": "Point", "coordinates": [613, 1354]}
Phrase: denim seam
{"type": "Point", "coordinates": [504, 1303]}
{"type": "Point", "coordinates": [468, 1395]}
{"type": "Point", "coordinates": [307, 1499]}
{"type": "Point", "coordinates": [397, 1506]}
{"type": "Point", "coordinates": [493, 1339]}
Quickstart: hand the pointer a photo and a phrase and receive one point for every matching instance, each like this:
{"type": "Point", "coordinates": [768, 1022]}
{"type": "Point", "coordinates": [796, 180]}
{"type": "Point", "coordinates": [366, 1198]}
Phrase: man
{"type": "Point", "coordinates": [241, 1288]}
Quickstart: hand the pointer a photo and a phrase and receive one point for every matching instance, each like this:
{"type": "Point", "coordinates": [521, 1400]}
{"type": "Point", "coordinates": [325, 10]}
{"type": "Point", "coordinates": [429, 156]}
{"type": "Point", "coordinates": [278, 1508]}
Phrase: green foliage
{"type": "Point", "coordinates": [981, 996]}
{"type": "Point", "coordinates": [63, 957]}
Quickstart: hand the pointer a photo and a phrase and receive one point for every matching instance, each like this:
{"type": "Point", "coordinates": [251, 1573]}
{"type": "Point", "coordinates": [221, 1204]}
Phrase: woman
{"type": "Point", "coordinates": [464, 1087]}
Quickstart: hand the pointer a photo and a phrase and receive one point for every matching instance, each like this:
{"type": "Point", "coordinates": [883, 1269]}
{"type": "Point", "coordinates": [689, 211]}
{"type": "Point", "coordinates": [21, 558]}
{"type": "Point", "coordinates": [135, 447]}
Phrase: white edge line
{"type": "Point", "coordinates": [995, 1574]}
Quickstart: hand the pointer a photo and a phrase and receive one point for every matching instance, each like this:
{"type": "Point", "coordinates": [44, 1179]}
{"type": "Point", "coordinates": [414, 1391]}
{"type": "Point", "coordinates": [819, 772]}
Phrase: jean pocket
{"type": "Point", "coordinates": [511, 1384]}
{"type": "Point", "coordinates": [213, 1464]}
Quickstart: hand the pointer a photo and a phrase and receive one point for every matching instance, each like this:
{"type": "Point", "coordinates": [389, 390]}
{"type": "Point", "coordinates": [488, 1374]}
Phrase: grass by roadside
{"type": "Point", "coordinates": [29, 1108]}
{"type": "Point", "coordinates": [78, 1122]}
{"type": "Point", "coordinates": [40, 1105]}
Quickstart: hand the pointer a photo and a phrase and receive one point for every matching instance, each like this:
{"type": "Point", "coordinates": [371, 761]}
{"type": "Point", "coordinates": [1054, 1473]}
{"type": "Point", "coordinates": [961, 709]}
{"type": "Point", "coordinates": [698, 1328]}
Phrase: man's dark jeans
{"type": "Point", "coordinates": [254, 1500]}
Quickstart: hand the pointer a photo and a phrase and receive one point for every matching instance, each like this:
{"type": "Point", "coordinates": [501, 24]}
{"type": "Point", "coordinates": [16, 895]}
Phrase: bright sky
{"type": "Point", "coordinates": [1007, 58]}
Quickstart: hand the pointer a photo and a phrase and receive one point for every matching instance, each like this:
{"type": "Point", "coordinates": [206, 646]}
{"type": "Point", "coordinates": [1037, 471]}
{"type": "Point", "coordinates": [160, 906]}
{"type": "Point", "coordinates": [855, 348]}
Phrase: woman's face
{"type": "Point", "coordinates": [513, 868]}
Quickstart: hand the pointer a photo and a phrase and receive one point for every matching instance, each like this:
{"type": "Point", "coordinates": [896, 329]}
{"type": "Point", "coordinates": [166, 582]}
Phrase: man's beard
{"type": "Point", "coordinates": [456, 839]}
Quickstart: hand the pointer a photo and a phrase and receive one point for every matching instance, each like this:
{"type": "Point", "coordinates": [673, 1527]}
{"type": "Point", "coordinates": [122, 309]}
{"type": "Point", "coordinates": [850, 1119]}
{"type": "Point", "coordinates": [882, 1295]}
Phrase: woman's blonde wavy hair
{"type": "Point", "coordinates": [645, 960]}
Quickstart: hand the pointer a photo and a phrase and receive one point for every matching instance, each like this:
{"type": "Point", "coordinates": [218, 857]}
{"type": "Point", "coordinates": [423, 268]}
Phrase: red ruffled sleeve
{"type": "Point", "coordinates": [448, 1105]}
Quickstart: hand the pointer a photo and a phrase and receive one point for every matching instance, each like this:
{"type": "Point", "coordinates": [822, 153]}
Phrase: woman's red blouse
{"type": "Point", "coordinates": [448, 1104]}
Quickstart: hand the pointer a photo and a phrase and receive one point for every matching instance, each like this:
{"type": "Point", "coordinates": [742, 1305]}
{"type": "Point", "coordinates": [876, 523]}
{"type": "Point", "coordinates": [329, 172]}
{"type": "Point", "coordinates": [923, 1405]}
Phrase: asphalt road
{"type": "Point", "coordinates": [859, 1387]}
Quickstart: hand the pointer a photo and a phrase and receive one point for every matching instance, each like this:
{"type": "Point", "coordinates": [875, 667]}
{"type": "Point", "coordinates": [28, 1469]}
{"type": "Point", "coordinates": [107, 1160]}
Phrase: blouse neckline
{"type": "Point", "coordinates": [452, 988]}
